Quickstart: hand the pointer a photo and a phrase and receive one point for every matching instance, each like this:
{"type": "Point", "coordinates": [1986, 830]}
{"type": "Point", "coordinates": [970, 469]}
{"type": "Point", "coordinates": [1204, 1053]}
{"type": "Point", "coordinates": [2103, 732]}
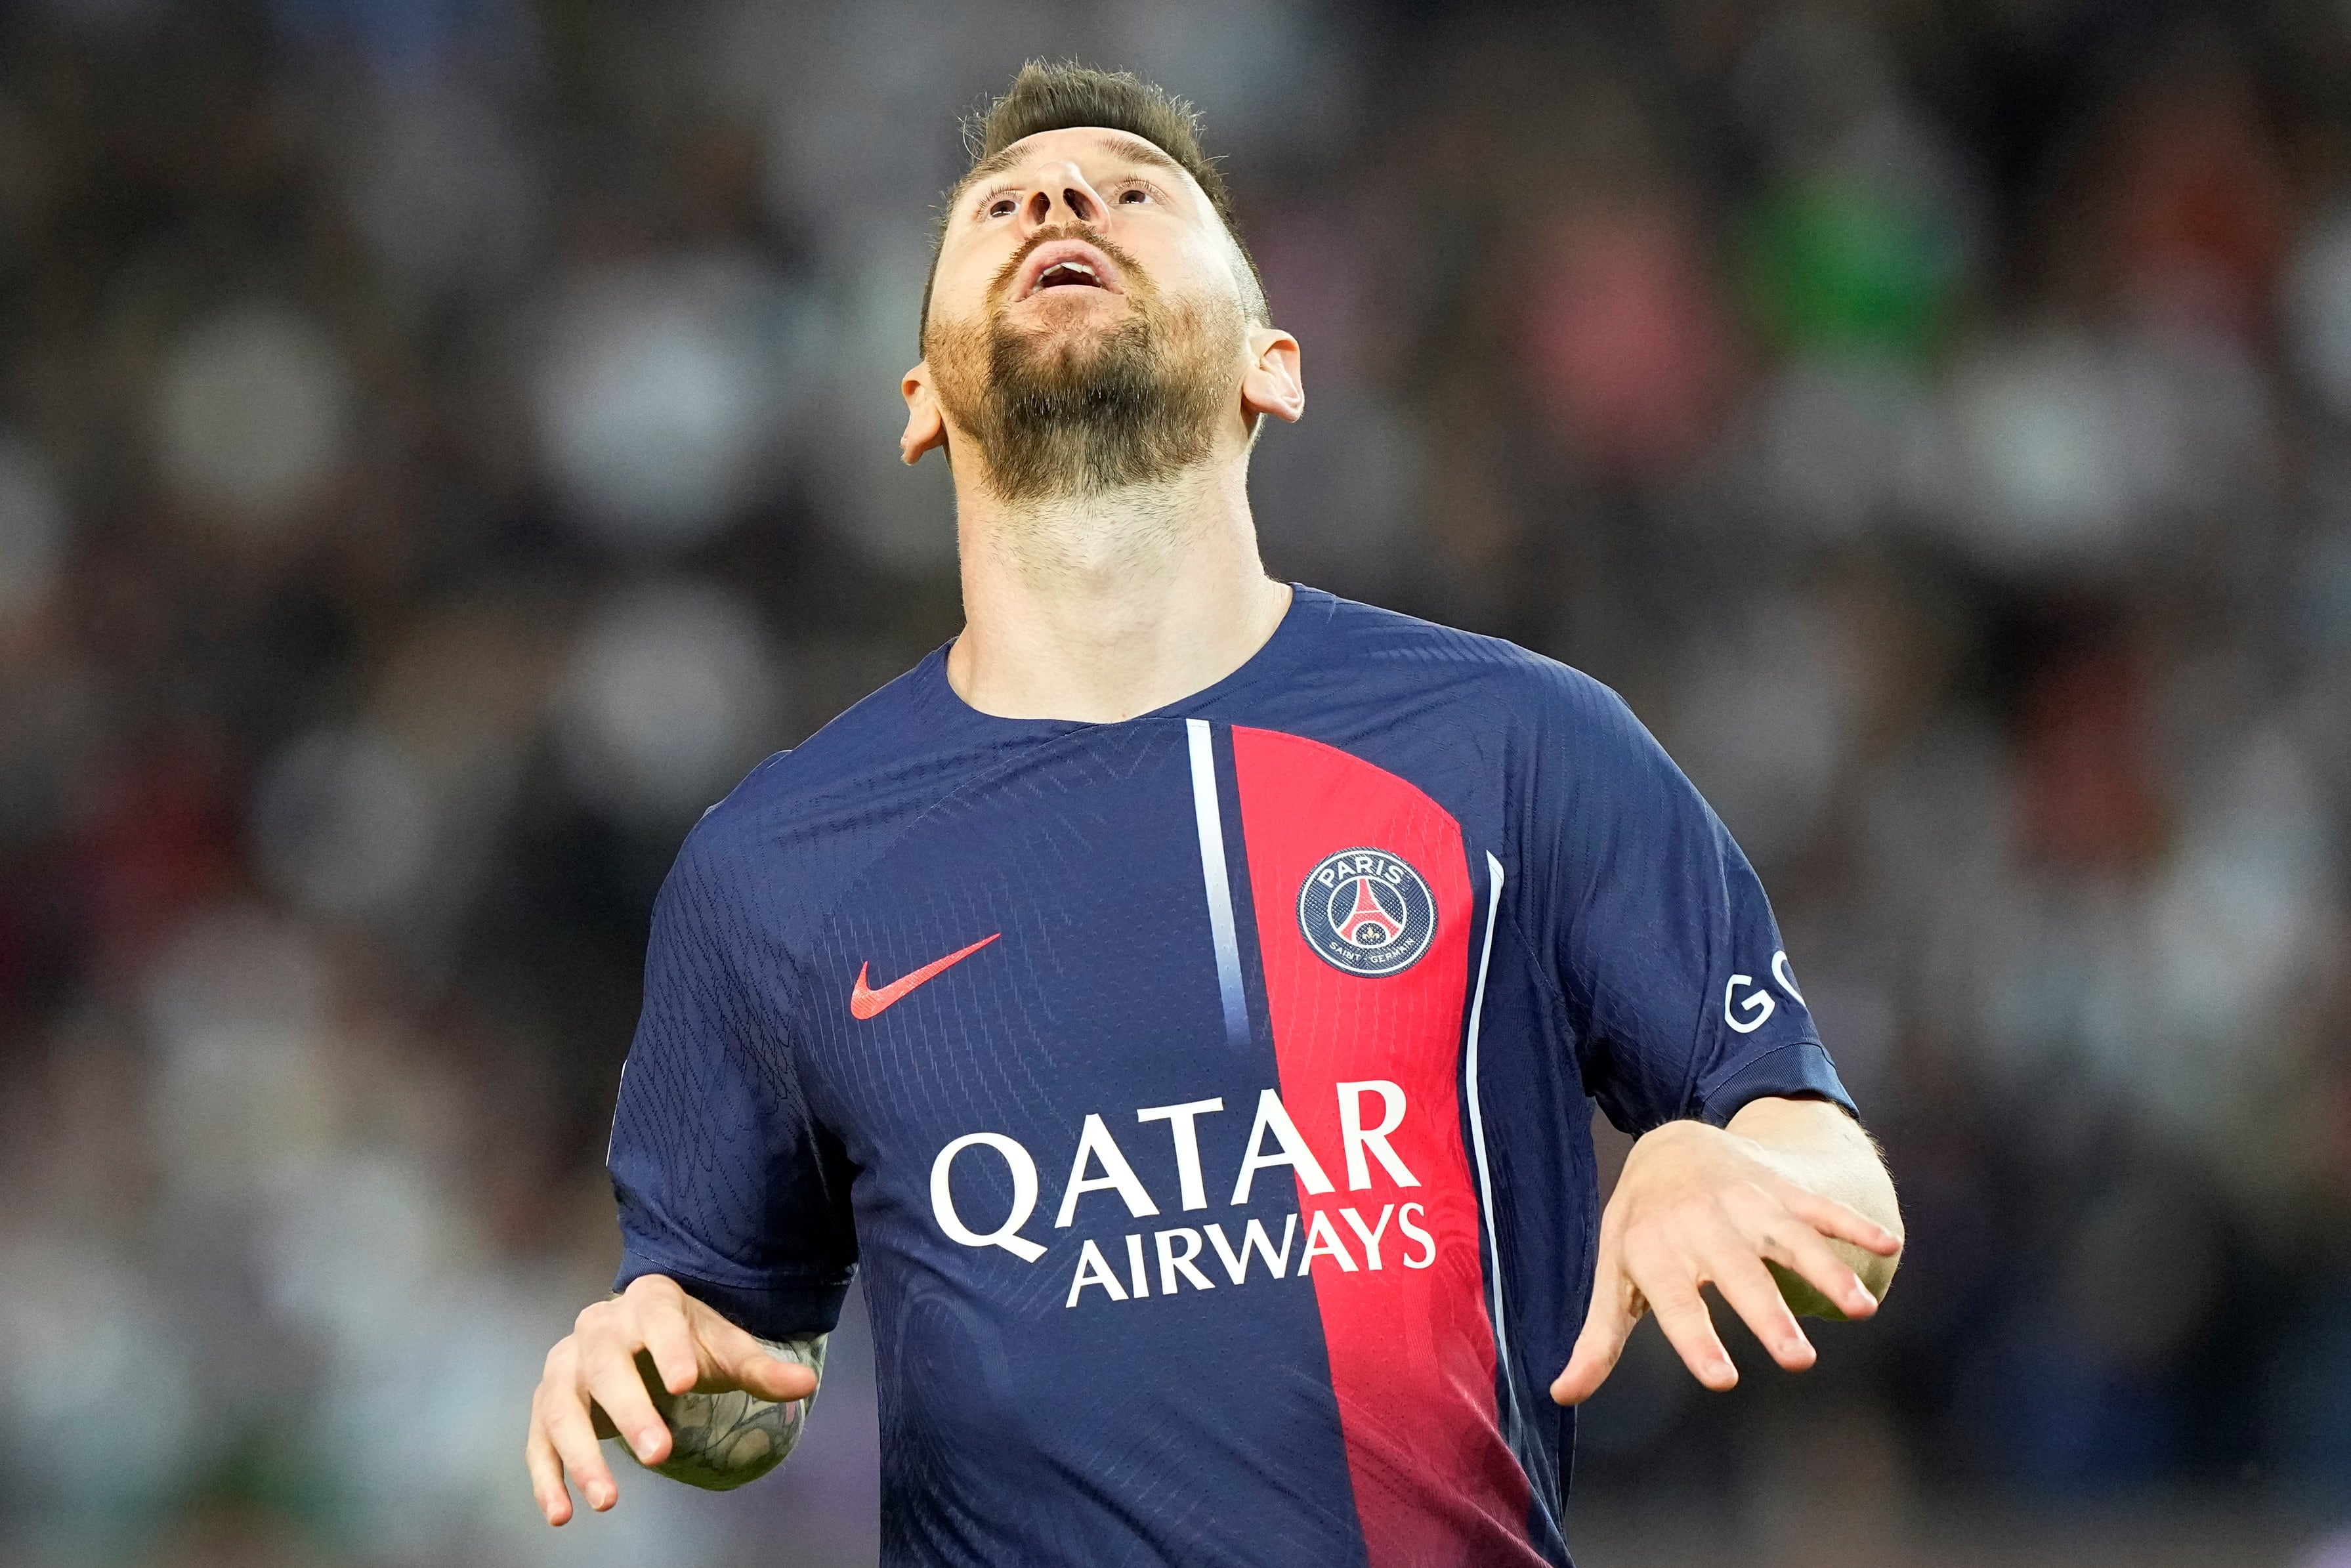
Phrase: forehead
{"type": "Point", "coordinates": [1092, 149]}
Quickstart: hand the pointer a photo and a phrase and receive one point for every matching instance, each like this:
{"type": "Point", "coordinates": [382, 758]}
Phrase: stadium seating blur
{"type": "Point", "coordinates": [443, 443]}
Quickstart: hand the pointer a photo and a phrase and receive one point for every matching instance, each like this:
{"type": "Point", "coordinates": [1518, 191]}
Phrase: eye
{"type": "Point", "coordinates": [1002, 206]}
{"type": "Point", "coordinates": [1133, 193]}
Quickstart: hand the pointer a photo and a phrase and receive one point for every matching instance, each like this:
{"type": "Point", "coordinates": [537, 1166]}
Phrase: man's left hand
{"type": "Point", "coordinates": [1700, 1205]}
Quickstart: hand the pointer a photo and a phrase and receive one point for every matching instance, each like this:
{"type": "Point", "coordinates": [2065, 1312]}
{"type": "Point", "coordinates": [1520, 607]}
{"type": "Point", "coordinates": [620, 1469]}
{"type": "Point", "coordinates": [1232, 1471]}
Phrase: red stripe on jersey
{"type": "Point", "coordinates": [1411, 1349]}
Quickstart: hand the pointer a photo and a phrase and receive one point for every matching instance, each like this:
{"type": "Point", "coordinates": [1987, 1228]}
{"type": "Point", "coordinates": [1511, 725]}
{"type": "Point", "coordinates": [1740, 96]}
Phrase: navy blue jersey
{"type": "Point", "coordinates": [1206, 1096]}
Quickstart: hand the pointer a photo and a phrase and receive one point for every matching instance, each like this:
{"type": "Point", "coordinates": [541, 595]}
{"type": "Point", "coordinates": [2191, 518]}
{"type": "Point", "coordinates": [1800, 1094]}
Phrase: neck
{"type": "Point", "coordinates": [1102, 607]}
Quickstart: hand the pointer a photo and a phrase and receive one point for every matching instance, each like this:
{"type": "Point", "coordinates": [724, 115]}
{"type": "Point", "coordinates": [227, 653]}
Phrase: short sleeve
{"type": "Point", "coordinates": [1680, 991]}
{"type": "Point", "coordinates": [725, 1180]}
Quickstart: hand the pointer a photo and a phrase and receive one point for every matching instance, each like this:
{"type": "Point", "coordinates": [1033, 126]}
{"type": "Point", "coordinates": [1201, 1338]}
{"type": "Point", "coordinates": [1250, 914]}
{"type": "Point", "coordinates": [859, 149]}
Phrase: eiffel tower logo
{"type": "Point", "coordinates": [1367, 925]}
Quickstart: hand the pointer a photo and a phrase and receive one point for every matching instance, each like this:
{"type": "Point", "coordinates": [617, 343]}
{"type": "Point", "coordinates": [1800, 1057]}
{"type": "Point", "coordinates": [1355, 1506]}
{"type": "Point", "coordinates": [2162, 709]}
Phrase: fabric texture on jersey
{"type": "Point", "coordinates": [1230, 1197]}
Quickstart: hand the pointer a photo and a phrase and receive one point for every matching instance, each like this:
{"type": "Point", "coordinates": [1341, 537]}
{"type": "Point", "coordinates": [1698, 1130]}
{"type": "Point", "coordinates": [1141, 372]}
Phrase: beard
{"type": "Point", "coordinates": [1058, 413]}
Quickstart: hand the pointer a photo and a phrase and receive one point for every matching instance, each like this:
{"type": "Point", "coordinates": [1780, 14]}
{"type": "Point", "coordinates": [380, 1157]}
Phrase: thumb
{"type": "Point", "coordinates": [737, 1360]}
{"type": "Point", "coordinates": [1606, 1329]}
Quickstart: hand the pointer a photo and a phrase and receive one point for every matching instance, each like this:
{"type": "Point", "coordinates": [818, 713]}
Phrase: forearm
{"type": "Point", "coordinates": [719, 1441]}
{"type": "Point", "coordinates": [1818, 1146]}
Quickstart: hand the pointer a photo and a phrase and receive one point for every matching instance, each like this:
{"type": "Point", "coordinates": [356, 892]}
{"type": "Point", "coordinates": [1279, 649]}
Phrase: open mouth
{"type": "Point", "coordinates": [1067, 264]}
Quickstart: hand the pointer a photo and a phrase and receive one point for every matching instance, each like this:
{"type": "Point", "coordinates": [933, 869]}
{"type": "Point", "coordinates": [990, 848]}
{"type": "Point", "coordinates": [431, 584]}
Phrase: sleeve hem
{"type": "Point", "coordinates": [769, 1312]}
{"type": "Point", "coordinates": [1799, 1068]}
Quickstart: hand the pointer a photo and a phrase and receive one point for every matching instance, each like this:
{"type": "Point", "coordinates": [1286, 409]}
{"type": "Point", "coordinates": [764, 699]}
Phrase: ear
{"type": "Point", "coordinates": [1272, 383]}
{"type": "Point", "coordinates": [925, 426]}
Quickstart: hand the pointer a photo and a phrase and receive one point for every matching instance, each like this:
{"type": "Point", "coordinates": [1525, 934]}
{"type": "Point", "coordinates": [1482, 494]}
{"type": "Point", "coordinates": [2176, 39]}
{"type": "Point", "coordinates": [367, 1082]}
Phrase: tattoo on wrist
{"type": "Point", "coordinates": [718, 1441]}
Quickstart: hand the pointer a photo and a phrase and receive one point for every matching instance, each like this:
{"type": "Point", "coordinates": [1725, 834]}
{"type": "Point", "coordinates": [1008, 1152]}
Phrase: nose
{"type": "Point", "coordinates": [1061, 195]}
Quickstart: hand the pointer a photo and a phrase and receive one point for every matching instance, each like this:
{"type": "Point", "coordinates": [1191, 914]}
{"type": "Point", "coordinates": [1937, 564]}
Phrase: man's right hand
{"type": "Point", "coordinates": [600, 1378]}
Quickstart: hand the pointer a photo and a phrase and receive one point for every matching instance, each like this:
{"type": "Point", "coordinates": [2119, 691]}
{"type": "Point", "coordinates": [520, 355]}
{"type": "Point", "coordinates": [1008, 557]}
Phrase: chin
{"type": "Point", "coordinates": [1070, 340]}
{"type": "Point", "coordinates": [1069, 311]}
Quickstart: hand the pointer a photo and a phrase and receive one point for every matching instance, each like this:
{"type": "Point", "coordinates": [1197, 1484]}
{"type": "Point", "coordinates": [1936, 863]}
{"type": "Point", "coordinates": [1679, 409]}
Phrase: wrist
{"type": "Point", "coordinates": [1672, 1139]}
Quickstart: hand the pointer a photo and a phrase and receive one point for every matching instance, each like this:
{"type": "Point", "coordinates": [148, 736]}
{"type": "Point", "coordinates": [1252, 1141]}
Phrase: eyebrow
{"type": "Point", "coordinates": [1130, 146]}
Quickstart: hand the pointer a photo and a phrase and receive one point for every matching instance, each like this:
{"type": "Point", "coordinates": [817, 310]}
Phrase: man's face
{"type": "Point", "coordinates": [1087, 326]}
{"type": "Point", "coordinates": [1016, 244]}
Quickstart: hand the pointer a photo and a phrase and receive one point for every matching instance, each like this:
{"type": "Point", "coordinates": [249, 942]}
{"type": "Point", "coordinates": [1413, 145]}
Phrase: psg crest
{"type": "Point", "coordinates": [1366, 911]}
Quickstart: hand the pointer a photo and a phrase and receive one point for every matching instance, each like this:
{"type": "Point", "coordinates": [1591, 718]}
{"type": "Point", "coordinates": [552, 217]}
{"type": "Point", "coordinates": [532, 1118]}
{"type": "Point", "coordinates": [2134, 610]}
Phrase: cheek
{"type": "Point", "coordinates": [964, 274]}
{"type": "Point", "coordinates": [952, 297]}
{"type": "Point", "coordinates": [1201, 267]}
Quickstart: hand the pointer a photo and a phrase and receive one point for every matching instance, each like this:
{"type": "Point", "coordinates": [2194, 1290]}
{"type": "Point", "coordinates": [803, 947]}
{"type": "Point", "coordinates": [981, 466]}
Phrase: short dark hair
{"type": "Point", "coordinates": [1064, 95]}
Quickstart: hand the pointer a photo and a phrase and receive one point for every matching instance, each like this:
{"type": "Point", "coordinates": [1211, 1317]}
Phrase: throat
{"type": "Point", "coordinates": [1099, 613]}
{"type": "Point", "coordinates": [1105, 544]}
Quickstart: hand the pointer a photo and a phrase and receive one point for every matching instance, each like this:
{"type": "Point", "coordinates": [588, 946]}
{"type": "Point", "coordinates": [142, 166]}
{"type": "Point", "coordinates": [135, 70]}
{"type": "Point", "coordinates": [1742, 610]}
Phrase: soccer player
{"type": "Point", "coordinates": [1185, 994]}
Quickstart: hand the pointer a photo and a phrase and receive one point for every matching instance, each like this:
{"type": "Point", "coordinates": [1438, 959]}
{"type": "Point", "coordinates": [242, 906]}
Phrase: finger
{"type": "Point", "coordinates": [1829, 1217]}
{"type": "Point", "coordinates": [734, 1359]}
{"type": "Point", "coordinates": [547, 1488]}
{"type": "Point", "coordinates": [1802, 1252]}
{"type": "Point", "coordinates": [1824, 1281]}
{"type": "Point", "coordinates": [1681, 1312]}
{"type": "Point", "coordinates": [568, 1429]}
{"type": "Point", "coordinates": [609, 1374]}
{"type": "Point", "coordinates": [660, 1313]}
{"type": "Point", "coordinates": [668, 1334]}
{"type": "Point", "coordinates": [1607, 1327]}
{"type": "Point", "coordinates": [1750, 1292]}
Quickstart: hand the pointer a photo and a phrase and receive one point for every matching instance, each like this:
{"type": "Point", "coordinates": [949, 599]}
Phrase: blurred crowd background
{"type": "Point", "coordinates": [443, 443]}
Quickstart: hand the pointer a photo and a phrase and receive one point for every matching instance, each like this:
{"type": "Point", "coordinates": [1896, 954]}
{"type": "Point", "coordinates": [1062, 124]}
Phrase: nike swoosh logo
{"type": "Point", "coordinates": [864, 1001]}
